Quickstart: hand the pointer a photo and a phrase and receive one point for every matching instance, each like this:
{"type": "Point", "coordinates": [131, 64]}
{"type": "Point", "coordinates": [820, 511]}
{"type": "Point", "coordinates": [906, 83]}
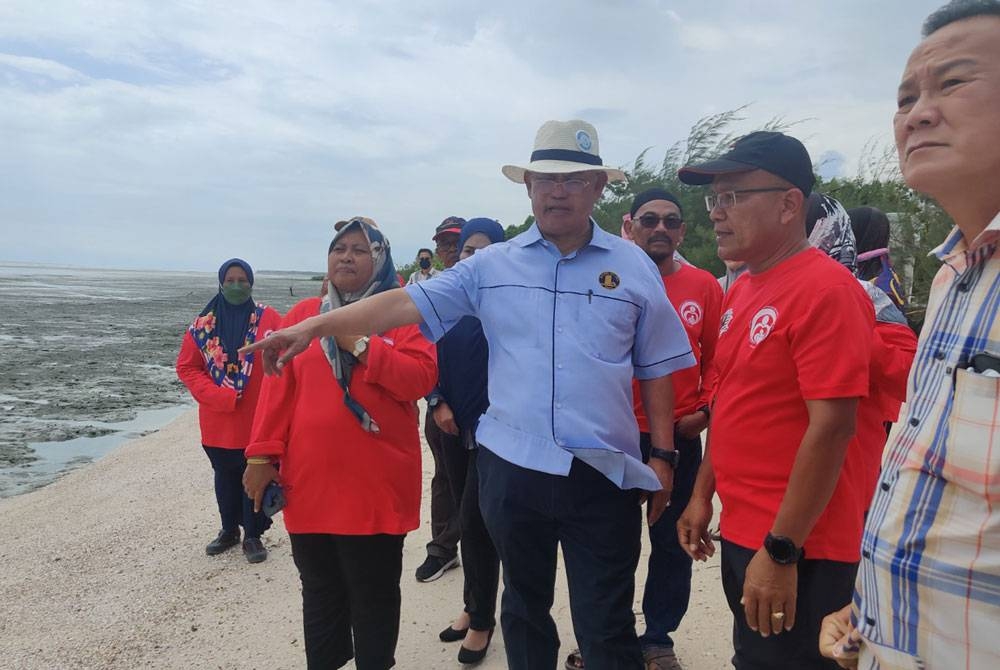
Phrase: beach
{"type": "Point", "coordinates": [105, 568]}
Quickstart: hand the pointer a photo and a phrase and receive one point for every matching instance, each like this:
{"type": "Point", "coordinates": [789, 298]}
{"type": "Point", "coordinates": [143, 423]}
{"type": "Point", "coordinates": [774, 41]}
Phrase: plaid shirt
{"type": "Point", "coordinates": [928, 589]}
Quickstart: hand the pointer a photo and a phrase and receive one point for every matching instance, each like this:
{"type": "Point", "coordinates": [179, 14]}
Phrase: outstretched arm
{"type": "Point", "coordinates": [376, 314]}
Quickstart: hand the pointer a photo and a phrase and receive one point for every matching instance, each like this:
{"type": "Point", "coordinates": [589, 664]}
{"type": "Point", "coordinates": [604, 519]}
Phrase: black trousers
{"type": "Point", "coordinates": [235, 508]}
{"type": "Point", "coordinates": [350, 598]}
{"type": "Point", "coordinates": [823, 587]}
{"type": "Point", "coordinates": [529, 514]}
{"type": "Point", "coordinates": [668, 580]}
{"type": "Point", "coordinates": [450, 464]}
{"type": "Point", "coordinates": [479, 557]}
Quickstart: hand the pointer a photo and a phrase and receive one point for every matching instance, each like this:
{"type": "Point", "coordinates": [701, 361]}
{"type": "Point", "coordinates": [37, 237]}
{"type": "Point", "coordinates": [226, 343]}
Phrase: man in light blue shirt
{"type": "Point", "coordinates": [571, 314]}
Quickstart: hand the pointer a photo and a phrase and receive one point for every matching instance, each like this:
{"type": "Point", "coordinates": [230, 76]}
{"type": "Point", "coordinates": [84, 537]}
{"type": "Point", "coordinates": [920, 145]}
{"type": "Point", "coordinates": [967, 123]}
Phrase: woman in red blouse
{"type": "Point", "coordinates": [341, 424]}
{"type": "Point", "coordinates": [226, 386]}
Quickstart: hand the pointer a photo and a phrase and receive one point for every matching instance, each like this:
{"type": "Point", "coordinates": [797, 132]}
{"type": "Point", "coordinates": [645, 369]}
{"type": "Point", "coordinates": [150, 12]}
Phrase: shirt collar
{"type": "Point", "coordinates": [955, 242]}
{"type": "Point", "coordinates": [600, 238]}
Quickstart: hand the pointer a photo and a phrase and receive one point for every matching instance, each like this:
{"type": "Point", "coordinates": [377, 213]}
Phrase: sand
{"type": "Point", "coordinates": [105, 568]}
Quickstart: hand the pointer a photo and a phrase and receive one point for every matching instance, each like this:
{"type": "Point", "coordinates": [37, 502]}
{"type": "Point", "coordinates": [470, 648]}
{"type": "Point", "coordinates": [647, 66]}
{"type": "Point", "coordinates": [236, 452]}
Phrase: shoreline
{"type": "Point", "coordinates": [105, 568]}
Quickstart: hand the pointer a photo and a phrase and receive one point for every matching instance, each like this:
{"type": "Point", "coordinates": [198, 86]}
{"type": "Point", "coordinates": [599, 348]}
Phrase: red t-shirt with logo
{"type": "Point", "coordinates": [799, 331]}
{"type": "Point", "coordinates": [697, 297]}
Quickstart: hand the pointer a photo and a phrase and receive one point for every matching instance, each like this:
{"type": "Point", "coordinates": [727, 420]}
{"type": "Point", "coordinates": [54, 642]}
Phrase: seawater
{"type": "Point", "coordinates": [87, 359]}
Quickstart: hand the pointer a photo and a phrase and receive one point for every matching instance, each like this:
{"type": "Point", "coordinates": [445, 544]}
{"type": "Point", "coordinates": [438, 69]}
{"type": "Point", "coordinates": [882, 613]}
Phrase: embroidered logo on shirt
{"type": "Point", "coordinates": [690, 311]}
{"type": "Point", "coordinates": [726, 319]}
{"type": "Point", "coordinates": [762, 324]}
{"type": "Point", "coordinates": [583, 140]}
{"type": "Point", "coordinates": [609, 279]}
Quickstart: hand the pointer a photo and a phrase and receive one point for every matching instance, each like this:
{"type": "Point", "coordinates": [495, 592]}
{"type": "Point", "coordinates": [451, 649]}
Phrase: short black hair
{"type": "Point", "coordinates": [958, 10]}
{"type": "Point", "coordinates": [420, 251]}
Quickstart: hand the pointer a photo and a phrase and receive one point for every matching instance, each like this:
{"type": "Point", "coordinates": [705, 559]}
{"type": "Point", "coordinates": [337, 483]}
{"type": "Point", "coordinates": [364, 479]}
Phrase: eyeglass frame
{"type": "Point", "coordinates": [536, 181]}
{"type": "Point", "coordinates": [665, 219]}
{"type": "Point", "coordinates": [712, 199]}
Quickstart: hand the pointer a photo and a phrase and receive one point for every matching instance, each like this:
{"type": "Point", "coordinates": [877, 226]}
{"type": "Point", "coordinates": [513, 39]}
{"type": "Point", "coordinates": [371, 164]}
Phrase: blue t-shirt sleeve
{"type": "Point", "coordinates": [446, 298]}
{"type": "Point", "coordinates": [661, 343]}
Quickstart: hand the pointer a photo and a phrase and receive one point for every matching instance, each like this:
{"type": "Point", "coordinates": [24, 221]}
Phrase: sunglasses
{"type": "Point", "coordinates": [649, 221]}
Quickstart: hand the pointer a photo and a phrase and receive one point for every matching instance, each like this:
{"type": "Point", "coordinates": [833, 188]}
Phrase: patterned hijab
{"type": "Point", "coordinates": [829, 228]}
{"type": "Point", "coordinates": [383, 279]}
{"type": "Point", "coordinates": [222, 329]}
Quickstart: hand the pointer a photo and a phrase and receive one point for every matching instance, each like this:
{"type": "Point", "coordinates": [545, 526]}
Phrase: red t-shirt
{"type": "Point", "coordinates": [225, 421]}
{"type": "Point", "coordinates": [697, 297]}
{"type": "Point", "coordinates": [893, 348]}
{"type": "Point", "coordinates": [338, 478]}
{"type": "Point", "coordinates": [799, 331]}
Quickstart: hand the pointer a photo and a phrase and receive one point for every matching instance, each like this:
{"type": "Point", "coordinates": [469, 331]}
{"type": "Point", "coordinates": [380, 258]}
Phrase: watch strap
{"type": "Point", "coordinates": [671, 456]}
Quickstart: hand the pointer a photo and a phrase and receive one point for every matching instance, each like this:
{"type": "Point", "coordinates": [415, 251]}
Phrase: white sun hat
{"type": "Point", "coordinates": [562, 147]}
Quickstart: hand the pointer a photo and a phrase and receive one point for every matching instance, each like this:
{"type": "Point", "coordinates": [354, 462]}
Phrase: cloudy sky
{"type": "Point", "coordinates": [177, 134]}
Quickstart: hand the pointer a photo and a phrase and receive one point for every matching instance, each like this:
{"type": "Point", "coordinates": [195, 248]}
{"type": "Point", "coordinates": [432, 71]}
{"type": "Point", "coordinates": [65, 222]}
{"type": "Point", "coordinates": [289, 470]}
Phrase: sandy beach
{"type": "Point", "coordinates": [105, 568]}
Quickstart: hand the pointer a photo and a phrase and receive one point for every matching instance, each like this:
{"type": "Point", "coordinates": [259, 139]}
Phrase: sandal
{"type": "Point", "coordinates": [574, 661]}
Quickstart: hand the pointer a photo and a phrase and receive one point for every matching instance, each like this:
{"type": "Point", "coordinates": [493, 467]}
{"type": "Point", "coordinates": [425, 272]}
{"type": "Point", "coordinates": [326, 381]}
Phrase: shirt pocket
{"type": "Point", "coordinates": [611, 325]}
{"type": "Point", "coordinates": [972, 460]}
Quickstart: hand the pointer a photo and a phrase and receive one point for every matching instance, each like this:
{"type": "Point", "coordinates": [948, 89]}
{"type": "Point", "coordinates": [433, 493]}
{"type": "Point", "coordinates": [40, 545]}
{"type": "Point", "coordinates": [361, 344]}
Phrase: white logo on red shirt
{"type": "Point", "coordinates": [762, 324]}
{"type": "Point", "coordinates": [726, 319]}
{"type": "Point", "coordinates": [690, 311]}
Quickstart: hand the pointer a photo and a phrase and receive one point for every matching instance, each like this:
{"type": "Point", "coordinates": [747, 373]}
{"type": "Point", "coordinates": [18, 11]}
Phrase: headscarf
{"type": "Point", "coordinates": [871, 231]}
{"type": "Point", "coordinates": [829, 229]}
{"type": "Point", "coordinates": [222, 329]}
{"type": "Point", "coordinates": [832, 234]}
{"type": "Point", "coordinates": [488, 227]}
{"type": "Point", "coordinates": [383, 279]}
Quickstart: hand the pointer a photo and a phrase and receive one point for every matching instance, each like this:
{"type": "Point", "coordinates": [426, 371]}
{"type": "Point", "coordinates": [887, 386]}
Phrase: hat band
{"type": "Point", "coordinates": [565, 155]}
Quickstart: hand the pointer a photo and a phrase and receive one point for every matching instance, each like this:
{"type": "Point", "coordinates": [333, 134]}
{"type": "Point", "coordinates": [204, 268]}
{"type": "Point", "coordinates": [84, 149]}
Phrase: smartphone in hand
{"type": "Point", "coordinates": [273, 500]}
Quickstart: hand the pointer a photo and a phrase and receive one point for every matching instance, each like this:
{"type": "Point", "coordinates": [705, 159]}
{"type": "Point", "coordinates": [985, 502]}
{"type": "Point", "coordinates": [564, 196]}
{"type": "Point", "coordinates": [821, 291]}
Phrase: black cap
{"type": "Point", "coordinates": [777, 153]}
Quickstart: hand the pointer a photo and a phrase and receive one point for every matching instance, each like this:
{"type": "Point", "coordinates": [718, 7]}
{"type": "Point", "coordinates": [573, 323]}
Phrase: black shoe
{"type": "Point", "coordinates": [254, 550]}
{"type": "Point", "coordinates": [468, 657]}
{"type": "Point", "coordinates": [450, 634]}
{"type": "Point", "coordinates": [225, 540]}
{"type": "Point", "coordinates": [434, 567]}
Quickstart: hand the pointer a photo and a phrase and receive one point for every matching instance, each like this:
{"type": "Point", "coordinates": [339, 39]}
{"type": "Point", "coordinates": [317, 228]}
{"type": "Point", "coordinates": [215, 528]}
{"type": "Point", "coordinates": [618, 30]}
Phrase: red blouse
{"type": "Point", "coordinates": [225, 421]}
{"type": "Point", "coordinates": [337, 477]}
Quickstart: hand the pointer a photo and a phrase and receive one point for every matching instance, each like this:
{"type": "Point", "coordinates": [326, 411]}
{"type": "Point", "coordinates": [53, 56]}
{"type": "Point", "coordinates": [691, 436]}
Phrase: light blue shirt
{"type": "Point", "coordinates": [566, 335]}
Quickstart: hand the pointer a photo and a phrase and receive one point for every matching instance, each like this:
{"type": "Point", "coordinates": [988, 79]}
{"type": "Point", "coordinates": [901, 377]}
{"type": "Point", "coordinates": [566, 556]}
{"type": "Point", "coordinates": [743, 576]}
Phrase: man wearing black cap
{"type": "Point", "coordinates": [793, 357]}
{"type": "Point", "coordinates": [446, 448]}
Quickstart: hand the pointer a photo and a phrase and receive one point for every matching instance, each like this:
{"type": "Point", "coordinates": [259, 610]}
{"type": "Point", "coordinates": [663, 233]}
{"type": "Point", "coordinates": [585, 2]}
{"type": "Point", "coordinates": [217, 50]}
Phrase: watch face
{"type": "Point", "coordinates": [781, 549]}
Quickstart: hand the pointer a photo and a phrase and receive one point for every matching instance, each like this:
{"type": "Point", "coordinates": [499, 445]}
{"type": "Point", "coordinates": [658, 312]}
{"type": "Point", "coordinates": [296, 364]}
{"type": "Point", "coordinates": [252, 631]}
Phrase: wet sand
{"type": "Point", "coordinates": [105, 568]}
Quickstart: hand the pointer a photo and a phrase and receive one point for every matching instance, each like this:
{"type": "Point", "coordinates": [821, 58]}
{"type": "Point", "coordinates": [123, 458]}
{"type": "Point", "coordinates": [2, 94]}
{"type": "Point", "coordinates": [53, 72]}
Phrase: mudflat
{"type": "Point", "coordinates": [105, 568]}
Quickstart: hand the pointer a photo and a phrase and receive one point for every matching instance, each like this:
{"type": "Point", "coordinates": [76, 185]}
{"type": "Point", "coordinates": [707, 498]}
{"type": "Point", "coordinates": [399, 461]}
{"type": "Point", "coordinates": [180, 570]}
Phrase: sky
{"type": "Point", "coordinates": [175, 135]}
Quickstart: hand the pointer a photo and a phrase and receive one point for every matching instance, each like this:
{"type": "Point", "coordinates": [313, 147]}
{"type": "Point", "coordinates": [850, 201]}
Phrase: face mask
{"type": "Point", "coordinates": [425, 263]}
{"type": "Point", "coordinates": [236, 294]}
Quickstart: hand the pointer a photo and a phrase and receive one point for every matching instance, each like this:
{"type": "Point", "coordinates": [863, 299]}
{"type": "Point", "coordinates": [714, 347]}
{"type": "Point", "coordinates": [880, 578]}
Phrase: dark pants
{"type": "Point", "coordinates": [479, 557]}
{"type": "Point", "coordinates": [350, 598]}
{"type": "Point", "coordinates": [450, 463]}
{"type": "Point", "coordinates": [235, 508]}
{"type": "Point", "coordinates": [823, 587]}
{"type": "Point", "coordinates": [668, 582]}
{"type": "Point", "coordinates": [528, 515]}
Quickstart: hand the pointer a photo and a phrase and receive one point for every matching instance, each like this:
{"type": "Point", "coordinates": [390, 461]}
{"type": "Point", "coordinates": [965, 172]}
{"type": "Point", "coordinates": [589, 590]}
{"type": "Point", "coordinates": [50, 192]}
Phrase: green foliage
{"type": "Point", "coordinates": [512, 231]}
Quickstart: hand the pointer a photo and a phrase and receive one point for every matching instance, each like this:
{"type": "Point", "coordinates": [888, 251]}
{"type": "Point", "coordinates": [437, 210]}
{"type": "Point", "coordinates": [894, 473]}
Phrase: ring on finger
{"type": "Point", "coordinates": [778, 615]}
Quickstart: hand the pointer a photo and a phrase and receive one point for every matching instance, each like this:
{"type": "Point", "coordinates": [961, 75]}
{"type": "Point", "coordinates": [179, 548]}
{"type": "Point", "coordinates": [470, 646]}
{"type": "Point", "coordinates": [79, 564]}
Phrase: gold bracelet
{"type": "Point", "coordinates": [258, 460]}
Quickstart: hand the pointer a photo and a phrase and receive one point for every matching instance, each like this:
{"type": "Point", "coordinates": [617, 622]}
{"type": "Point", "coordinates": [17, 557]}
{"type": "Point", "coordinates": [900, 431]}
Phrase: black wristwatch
{"type": "Point", "coordinates": [673, 457]}
{"type": "Point", "coordinates": [434, 401]}
{"type": "Point", "coordinates": [782, 550]}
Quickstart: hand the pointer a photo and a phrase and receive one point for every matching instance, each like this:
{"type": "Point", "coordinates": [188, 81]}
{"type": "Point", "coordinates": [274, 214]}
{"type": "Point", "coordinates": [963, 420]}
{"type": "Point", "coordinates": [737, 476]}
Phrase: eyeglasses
{"type": "Point", "coordinates": [727, 199]}
{"type": "Point", "coordinates": [447, 246]}
{"type": "Point", "coordinates": [543, 186]}
{"type": "Point", "coordinates": [649, 221]}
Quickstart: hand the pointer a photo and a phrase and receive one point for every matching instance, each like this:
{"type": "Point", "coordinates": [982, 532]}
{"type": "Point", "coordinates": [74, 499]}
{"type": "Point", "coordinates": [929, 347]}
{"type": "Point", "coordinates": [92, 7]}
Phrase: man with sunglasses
{"type": "Point", "coordinates": [656, 225]}
{"type": "Point", "coordinates": [792, 356]}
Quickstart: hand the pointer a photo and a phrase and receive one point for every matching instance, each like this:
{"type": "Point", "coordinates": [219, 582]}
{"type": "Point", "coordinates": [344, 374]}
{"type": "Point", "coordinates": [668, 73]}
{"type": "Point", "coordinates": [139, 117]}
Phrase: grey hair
{"type": "Point", "coordinates": [957, 10]}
